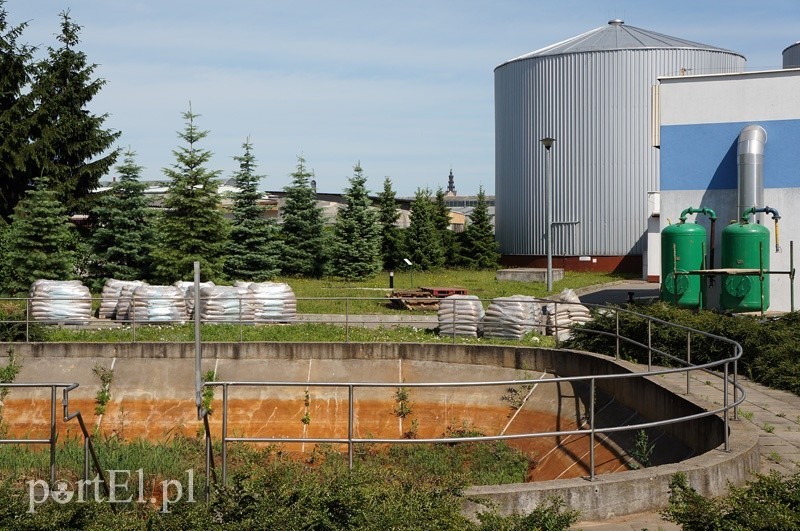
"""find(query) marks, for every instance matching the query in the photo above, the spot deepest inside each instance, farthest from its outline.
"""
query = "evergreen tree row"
(130, 240)
(53, 152)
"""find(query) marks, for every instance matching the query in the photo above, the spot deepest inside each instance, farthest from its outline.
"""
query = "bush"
(768, 502)
(769, 345)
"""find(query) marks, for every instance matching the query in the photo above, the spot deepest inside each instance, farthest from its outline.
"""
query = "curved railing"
(725, 370)
(732, 392)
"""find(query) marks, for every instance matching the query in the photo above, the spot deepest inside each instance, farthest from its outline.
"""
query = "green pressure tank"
(740, 250)
(682, 248)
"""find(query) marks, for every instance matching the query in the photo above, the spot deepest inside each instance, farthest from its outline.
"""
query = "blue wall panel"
(703, 156)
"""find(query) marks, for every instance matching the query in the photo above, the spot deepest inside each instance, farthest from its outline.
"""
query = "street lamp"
(547, 142)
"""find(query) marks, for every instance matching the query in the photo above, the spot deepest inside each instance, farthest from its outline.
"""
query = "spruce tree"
(68, 143)
(356, 249)
(391, 236)
(423, 240)
(15, 109)
(39, 241)
(123, 236)
(480, 246)
(303, 234)
(191, 226)
(441, 218)
(254, 249)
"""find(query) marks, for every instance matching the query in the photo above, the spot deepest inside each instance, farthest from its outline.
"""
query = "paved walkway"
(775, 413)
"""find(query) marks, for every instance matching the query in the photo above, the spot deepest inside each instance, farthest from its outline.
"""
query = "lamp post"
(410, 269)
(547, 142)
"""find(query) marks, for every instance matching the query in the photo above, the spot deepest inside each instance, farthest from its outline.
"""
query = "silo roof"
(617, 35)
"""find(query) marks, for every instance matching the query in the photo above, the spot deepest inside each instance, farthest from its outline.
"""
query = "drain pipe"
(775, 217)
(711, 216)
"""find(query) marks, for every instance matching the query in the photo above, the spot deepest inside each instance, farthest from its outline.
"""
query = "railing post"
(27, 320)
(688, 358)
(86, 468)
(649, 345)
(555, 322)
(52, 435)
(735, 390)
(725, 406)
(350, 421)
(454, 320)
(240, 318)
(616, 314)
(591, 428)
(133, 316)
(208, 463)
(224, 434)
(347, 320)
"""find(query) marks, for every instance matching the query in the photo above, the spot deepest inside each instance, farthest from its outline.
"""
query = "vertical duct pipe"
(750, 168)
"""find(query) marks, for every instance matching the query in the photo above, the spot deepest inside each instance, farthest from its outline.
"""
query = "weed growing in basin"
(769, 428)
(747, 415)
(642, 450)
(402, 407)
(208, 392)
(106, 376)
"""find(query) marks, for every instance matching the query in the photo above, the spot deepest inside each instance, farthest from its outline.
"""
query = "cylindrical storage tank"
(791, 56)
(683, 249)
(593, 94)
(741, 243)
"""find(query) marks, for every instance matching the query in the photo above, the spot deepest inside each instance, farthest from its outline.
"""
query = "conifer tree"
(15, 109)
(68, 143)
(423, 240)
(480, 246)
(254, 248)
(191, 226)
(305, 252)
(391, 235)
(356, 251)
(123, 236)
(39, 241)
(441, 218)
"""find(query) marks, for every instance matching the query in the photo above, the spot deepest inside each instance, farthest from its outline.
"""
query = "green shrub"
(770, 346)
(767, 502)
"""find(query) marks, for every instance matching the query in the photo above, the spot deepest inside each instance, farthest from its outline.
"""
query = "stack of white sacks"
(60, 301)
(273, 302)
(188, 292)
(460, 315)
(225, 304)
(260, 302)
(567, 313)
(157, 304)
(109, 297)
(512, 317)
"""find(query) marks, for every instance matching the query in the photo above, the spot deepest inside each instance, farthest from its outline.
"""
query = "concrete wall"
(609, 495)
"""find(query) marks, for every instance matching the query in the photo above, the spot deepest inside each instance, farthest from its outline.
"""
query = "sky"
(404, 88)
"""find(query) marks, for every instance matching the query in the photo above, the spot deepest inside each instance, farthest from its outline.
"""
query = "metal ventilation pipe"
(750, 169)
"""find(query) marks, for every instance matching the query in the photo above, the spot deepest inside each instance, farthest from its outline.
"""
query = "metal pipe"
(548, 222)
(750, 167)
(52, 435)
(198, 377)
(591, 428)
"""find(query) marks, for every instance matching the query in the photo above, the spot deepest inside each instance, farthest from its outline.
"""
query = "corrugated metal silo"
(791, 56)
(592, 93)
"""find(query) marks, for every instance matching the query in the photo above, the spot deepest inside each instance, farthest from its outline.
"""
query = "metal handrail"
(592, 430)
(88, 446)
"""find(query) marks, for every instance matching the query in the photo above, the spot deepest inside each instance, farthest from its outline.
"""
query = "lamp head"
(547, 142)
